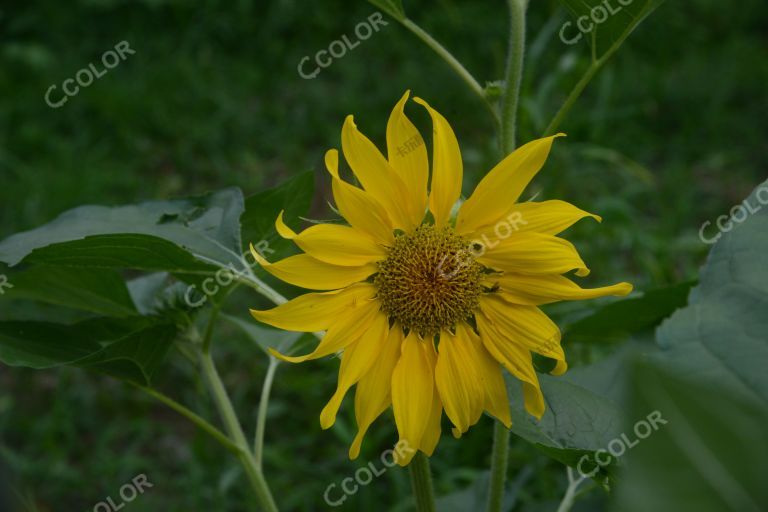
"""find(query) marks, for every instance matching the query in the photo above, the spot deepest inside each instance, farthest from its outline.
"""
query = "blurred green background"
(671, 134)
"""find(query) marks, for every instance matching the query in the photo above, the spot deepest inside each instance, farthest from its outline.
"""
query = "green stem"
(515, 57)
(235, 431)
(499, 459)
(421, 483)
(261, 420)
(452, 61)
(194, 418)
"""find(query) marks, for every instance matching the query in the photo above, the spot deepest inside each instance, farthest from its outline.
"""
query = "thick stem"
(235, 431)
(421, 483)
(261, 420)
(515, 57)
(498, 466)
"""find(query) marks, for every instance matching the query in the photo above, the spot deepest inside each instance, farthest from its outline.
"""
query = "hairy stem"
(421, 483)
(499, 458)
(514, 74)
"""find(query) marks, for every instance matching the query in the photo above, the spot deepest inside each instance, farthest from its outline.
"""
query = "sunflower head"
(429, 280)
(426, 309)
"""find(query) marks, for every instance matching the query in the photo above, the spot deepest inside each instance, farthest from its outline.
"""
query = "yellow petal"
(447, 167)
(307, 272)
(532, 290)
(432, 432)
(412, 393)
(458, 378)
(358, 207)
(345, 330)
(313, 312)
(533, 253)
(374, 391)
(547, 217)
(377, 176)
(495, 389)
(502, 186)
(356, 360)
(527, 326)
(333, 243)
(517, 360)
(407, 154)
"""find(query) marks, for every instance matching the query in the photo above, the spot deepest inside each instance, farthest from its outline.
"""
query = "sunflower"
(425, 307)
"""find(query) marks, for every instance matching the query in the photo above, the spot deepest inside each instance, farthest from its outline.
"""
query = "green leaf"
(258, 220)
(100, 291)
(618, 320)
(722, 336)
(126, 350)
(392, 7)
(713, 444)
(185, 235)
(620, 20)
(585, 408)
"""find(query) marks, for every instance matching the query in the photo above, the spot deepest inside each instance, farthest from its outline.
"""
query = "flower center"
(429, 280)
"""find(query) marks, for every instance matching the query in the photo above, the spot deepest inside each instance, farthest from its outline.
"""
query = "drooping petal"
(533, 253)
(344, 330)
(517, 360)
(407, 154)
(377, 176)
(502, 186)
(356, 360)
(527, 326)
(307, 272)
(412, 394)
(313, 312)
(534, 290)
(458, 378)
(334, 244)
(447, 167)
(374, 391)
(546, 217)
(433, 431)
(496, 401)
(358, 207)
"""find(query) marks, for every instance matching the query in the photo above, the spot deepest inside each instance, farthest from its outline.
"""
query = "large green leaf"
(710, 454)
(722, 336)
(586, 409)
(100, 291)
(127, 350)
(181, 236)
(619, 20)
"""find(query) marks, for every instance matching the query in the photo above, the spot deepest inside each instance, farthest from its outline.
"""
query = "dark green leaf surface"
(174, 235)
(258, 220)
(100, 291)
(126, 350)
(618, 320)
(620, 20)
